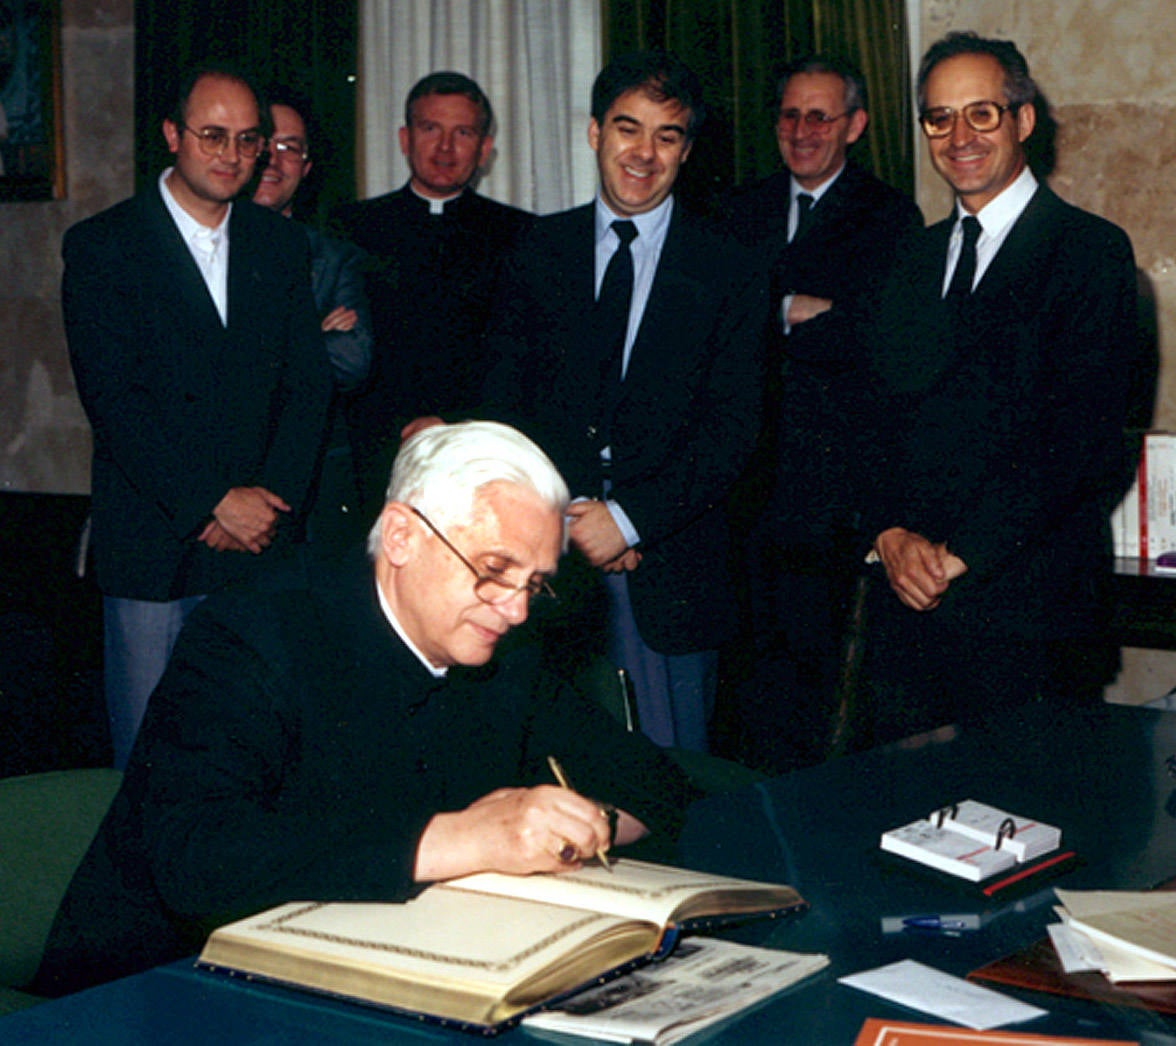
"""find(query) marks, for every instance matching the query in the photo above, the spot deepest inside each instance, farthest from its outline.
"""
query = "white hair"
(442, 469)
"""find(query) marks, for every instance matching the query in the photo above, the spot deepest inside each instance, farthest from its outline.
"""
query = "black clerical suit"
(1002, 436)
(800, 500)
(296, 749)
(429, 284)
(183, 407)
(686, 417)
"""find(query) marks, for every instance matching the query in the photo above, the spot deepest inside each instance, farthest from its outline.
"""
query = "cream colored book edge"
(433, 956)
(642, 890)
(474, 958)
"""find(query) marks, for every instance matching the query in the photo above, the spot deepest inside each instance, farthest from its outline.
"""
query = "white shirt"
(209, 247)
(996, 220)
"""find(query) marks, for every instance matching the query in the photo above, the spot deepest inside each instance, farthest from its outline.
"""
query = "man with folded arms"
(348, 737)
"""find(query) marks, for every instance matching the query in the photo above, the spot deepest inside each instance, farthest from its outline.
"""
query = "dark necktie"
(612, 316)
(965, 270)
(804, 215)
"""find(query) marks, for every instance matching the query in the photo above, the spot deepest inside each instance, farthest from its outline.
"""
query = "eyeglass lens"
(980, 116)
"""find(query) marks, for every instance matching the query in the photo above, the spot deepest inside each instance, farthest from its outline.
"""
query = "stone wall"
(44, 438)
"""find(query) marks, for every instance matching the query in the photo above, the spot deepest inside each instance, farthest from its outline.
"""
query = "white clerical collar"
(820, 190)
(651, 226)
(436, 206)
(433, 670)
(189, 227)
(999, 213)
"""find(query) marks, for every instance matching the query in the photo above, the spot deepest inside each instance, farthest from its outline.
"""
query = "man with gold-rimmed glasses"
(348, 736)
(1003, 354)
(197, 356)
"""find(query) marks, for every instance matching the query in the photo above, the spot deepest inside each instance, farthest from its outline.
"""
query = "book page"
(636, 889)
(438, 954)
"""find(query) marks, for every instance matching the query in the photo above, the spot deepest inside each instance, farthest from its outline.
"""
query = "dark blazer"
(183, 408)
(688, 413)
(1004, 424)
(337, 278)
(843, 254)
(430, 283)
(296, 748)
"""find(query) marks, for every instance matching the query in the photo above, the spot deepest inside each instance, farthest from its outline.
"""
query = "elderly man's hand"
(513, 830)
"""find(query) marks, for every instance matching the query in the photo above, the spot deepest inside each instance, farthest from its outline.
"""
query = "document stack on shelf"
(482, 951)
(1143, 525)
(977, 842)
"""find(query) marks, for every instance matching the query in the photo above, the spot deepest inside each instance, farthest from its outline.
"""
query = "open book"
(482, 951)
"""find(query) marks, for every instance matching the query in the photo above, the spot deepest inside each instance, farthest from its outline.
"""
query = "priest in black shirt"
(351, 737)
(435, 246)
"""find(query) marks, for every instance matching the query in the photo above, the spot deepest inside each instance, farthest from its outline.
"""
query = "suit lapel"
(1015, 263)
(169, 260)
(673, 308)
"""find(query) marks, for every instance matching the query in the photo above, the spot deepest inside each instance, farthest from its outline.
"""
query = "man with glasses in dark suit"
(198, 359)
(1002, 352)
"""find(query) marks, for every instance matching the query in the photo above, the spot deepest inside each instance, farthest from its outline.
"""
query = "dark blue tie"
(965, 270)
(804, 215)
(612, 320)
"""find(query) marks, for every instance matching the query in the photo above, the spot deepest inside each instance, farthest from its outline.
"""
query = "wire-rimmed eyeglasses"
(488, 587)
(214, 141)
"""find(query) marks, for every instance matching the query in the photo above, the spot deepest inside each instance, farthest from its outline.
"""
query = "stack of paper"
(1130, 936)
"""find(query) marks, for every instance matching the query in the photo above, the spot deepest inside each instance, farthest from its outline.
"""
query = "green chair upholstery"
(609, 687)
(47, 822)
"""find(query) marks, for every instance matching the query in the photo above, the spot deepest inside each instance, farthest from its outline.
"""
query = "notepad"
(972, 840)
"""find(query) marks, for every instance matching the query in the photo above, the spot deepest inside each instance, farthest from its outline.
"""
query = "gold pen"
(562, 778)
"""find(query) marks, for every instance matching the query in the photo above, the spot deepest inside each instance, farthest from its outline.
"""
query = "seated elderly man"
(349, 737)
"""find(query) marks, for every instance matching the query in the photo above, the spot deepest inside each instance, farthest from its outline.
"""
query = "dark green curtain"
(308, 45)
(738, 48)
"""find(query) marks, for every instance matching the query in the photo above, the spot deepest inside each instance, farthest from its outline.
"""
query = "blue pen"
(935, 922)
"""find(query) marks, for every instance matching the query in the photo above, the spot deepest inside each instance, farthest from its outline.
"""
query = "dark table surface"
(1100, 775)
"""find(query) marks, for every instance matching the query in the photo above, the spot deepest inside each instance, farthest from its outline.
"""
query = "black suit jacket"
(430, 281)
(1003, 428)
(847, 250)
(296, 748)
(182, 407)
(687, 416)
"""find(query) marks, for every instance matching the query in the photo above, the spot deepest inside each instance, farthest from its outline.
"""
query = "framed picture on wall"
(31, 166)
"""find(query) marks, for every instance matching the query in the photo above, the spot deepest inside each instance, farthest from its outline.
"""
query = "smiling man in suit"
(828, 230)
(337, 280)
(628, 342)
(198, 359)
(1003, 350)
